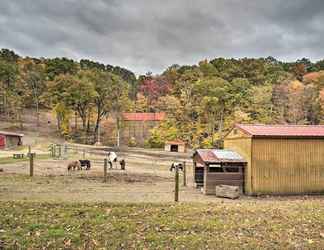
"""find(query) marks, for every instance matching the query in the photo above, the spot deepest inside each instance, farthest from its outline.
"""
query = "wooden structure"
(175, 146)
(214, 167)
(281, 159)
(10, 139)
(138, 126)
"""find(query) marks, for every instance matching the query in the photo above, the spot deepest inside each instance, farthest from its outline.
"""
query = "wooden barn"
(138, 126)
(10, 139)
(281, 159)
(218, 167)
(175, 146)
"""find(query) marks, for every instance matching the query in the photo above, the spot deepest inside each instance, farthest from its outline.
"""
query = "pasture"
(135, 209)
(147, 179)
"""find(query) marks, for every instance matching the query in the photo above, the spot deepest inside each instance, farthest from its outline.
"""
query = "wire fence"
(142, 169)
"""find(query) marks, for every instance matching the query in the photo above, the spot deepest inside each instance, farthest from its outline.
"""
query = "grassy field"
(270, 225)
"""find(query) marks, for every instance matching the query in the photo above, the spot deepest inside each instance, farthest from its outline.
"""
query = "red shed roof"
(219, 155)
(282, 130)
(175, 142)
(144, 116)
(11, 134)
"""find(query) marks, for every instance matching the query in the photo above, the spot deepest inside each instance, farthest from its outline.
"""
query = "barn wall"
(182, 148)
(167, 147)
(287, 166)
(140, 130)
(242, 144)
(11, 141)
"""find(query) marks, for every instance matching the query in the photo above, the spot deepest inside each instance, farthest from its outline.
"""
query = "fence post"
(31, 165)
(54, 151)
(60, 151)
(29, 150)
(83, 155)
(176, 188)
(51, 150)
(184, 174)
(105, 169)
(65, 153)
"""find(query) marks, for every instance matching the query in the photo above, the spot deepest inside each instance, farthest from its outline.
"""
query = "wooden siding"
(12, 141)
(287, 166)
(140, 130)
(211, 180)
(241, 143)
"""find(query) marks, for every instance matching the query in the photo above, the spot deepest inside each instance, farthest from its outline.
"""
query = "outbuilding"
(10, 139)
(281, 159)
(175, 146)
(214, 167)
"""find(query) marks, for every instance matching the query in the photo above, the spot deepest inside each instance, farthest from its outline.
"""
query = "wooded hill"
(202, 101)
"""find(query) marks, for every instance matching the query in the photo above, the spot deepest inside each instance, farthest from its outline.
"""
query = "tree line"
(202, 101)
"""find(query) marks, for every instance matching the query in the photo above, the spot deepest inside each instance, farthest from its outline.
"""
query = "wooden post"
(60, 151)
(31, 165)
(176, 188)
(29, 150)
(184, 174)
(65, 152)
(105, 169)
(51, 150)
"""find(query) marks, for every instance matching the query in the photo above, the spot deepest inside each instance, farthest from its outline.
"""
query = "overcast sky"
(150, 35)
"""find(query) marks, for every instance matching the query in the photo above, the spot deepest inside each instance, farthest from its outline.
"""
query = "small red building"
(138, 126)
(175, 146)
(10, 139)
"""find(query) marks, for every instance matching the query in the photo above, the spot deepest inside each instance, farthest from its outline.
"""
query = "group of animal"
(78, 165)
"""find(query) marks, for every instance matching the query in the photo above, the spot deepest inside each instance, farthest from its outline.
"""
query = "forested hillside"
(202, 101)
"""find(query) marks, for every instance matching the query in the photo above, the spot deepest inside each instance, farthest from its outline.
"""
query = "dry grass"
(272, 225)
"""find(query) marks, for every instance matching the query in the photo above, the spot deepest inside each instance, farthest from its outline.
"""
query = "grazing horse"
(122, 163)
(175, 165)
(74, 165)
(85, 163)
(112, 157)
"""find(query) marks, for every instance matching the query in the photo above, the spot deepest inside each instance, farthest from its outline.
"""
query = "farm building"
(175, 146)
(281, 159)
(10, 139)
(138, 126)
(214, 167)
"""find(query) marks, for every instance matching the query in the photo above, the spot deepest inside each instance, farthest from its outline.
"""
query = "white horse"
(112, 157)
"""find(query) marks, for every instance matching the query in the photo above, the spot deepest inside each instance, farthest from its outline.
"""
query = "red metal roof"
(144, 116)
(175, 142)
(282, 130)
(11, 133)
(219, 155)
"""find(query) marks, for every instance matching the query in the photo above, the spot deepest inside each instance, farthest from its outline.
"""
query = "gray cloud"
(151, 35)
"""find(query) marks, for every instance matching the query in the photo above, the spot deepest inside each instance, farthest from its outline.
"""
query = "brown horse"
(74, 165)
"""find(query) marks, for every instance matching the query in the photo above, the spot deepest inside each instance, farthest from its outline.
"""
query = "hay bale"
(227, 191)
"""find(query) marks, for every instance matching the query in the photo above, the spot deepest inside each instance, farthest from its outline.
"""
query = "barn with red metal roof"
(281, 159)
(137, 126)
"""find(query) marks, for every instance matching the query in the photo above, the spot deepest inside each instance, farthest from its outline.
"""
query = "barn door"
(2, 141)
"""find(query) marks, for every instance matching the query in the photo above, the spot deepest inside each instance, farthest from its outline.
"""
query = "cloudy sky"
(150, 35)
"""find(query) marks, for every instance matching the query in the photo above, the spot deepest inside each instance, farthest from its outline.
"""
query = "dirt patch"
(127, 177)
